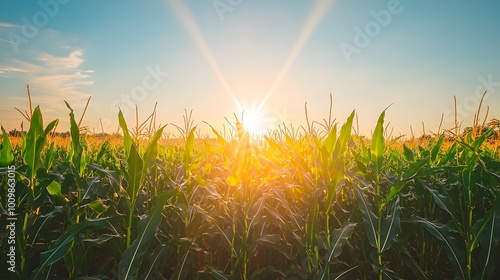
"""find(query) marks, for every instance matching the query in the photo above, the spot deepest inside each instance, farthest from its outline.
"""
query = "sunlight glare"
(253, 121)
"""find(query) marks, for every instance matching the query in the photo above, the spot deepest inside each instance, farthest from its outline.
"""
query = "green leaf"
(155, 262)
(31, 151)
(390, 227)
(378, 145)
(51, 126)
(456, 255)
(49, 156)
(76, 146)
(54, 190)
(6, 154)
(255, 212)
(338, 238)
(152, 149)
(409, 174)
(407, 153)
(103, 238)
(46, 219)
(407, 258)
(487, 233)
(146, 228)
(479, 140)
(344, 274)
(449, 155)
(135, 171)
(393, 192)
(105, 149)
(472, 155)
(331, 140)
(345, 133)
(436, 147)
(442, 201)
(337, 176)
(220, 139)
(265, 238)
(97, 206)
(311, 222)
(112, 176)
(127, 140)
(414, 168)
(370, 220)
(61, 246)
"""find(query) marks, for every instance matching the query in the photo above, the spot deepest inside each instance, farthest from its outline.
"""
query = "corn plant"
(29, 189)
(317, 202)
(475, 220)
(381, 215)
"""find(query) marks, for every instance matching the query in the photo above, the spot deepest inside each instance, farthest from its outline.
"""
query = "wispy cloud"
(6, 27)
(3, 40)
(5, 70)
(57, 78)
(6, 24)
(73, 60)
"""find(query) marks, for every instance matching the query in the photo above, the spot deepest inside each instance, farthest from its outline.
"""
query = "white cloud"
(57, 78)
(5, 70)
(50, 64)
(6, 24)
(73, 60)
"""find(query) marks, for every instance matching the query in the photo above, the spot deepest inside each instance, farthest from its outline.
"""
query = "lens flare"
(253, 121)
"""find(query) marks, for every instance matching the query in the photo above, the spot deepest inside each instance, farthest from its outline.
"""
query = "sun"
(253, 121)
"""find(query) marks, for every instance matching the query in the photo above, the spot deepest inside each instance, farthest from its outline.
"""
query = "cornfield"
(322, 204)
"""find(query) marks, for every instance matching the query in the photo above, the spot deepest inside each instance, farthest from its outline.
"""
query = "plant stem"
(327, 224)
(25, 226)
(469, 224)
(379, 253)
(129, 227)
(379, 226)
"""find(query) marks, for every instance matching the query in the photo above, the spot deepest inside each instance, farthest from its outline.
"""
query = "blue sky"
(219, 57)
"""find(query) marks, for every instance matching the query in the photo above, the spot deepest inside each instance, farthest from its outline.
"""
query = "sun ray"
(317, 13)
(190, 24)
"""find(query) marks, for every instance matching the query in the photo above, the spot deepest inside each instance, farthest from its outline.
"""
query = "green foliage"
(146, 229)
(377, 147)
(323, 205)
(6, 152)
(61, 246)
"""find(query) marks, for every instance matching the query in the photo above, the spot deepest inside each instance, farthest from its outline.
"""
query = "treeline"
(67, 134)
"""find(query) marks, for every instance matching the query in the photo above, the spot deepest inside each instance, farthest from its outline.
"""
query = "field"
(325, 203)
